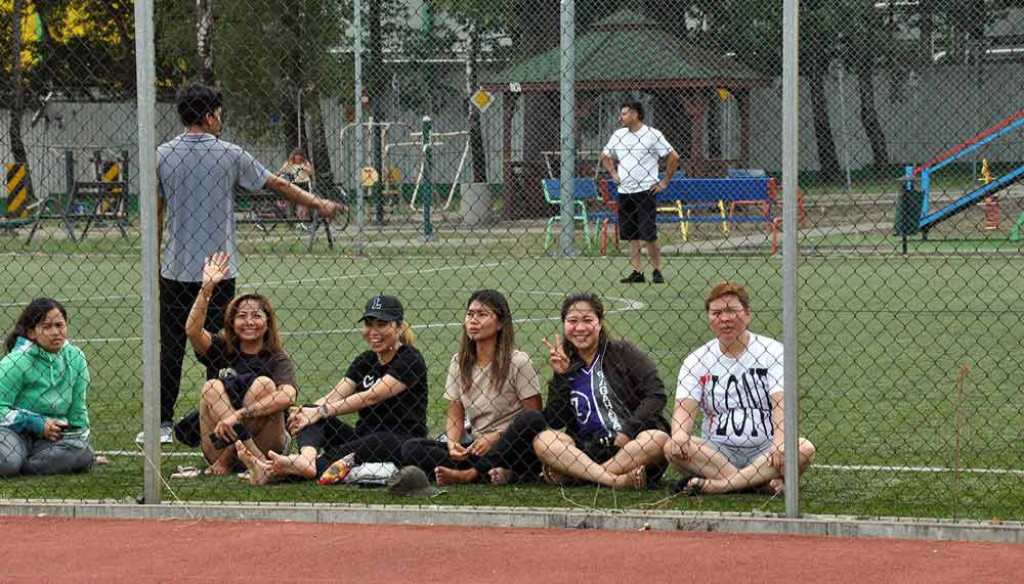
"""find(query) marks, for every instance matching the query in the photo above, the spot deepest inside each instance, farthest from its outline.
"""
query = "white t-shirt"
(638, 154)
(734, 393)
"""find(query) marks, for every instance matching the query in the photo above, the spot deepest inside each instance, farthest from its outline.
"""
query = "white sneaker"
(166, 434)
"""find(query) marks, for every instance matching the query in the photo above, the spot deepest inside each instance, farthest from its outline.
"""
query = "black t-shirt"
(405, 413)
(279, 367)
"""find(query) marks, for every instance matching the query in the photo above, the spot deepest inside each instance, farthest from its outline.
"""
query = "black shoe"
(657, 278)
(634, 278)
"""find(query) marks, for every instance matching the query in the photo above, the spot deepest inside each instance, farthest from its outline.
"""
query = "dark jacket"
(631, 375)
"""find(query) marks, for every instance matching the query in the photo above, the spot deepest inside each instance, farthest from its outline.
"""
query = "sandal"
(694, 488)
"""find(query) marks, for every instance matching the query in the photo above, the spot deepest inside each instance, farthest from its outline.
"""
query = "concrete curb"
(558, 518)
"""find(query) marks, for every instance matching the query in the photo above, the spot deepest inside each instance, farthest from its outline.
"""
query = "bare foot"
(635, 479)
(448, 476)
(260, 471)
(295, 464)
(500, 476)
(554, 478)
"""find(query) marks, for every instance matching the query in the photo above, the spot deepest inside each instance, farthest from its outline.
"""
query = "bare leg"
(214, 406)
(449, 476)
(634, 254)
(268, 431)
(697, 457)
(558, 451)
(654, 254)
(302, 464)
(647, 448)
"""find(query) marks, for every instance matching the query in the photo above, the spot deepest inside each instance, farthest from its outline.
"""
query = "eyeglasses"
(479, 315)
(725, 312)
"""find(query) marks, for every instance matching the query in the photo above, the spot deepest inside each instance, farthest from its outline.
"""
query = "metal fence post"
(567, 23)
(146, 81)
(428, 229)
(790, 180)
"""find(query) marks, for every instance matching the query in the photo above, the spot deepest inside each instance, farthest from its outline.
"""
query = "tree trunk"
(827, 160)
(926, 26)
(17, 108)
(204, 41)
(476, 137)
(540, 20)
(869, 115)
(318, 149)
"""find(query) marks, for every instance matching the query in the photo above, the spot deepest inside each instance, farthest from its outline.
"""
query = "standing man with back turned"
(197, 176)
(637, 148)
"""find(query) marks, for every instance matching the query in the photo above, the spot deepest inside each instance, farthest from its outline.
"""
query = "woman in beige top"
(298, 171)
(493, 385)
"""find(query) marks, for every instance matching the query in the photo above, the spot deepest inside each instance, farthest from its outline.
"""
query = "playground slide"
(923, 172)
(971, 198)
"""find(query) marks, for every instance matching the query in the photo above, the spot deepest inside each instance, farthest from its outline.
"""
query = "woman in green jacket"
(44, 424)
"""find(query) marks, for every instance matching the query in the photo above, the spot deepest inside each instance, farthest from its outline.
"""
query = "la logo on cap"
(378, 303)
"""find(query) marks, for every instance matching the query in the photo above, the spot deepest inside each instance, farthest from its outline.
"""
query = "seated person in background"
(494, 383)
(735, 380)
(298, 171)
(256, 380)
(44, 379)
(387, 385)
(604, 405)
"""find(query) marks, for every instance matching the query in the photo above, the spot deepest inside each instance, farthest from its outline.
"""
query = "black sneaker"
(634, 278)
(657, 278)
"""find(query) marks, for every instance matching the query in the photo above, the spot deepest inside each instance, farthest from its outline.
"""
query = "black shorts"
(236, 385)
(637, 213)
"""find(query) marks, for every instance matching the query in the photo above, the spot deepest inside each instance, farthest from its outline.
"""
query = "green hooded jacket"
(36, 384)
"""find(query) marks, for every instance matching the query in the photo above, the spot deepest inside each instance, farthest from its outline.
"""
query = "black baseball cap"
(382, 307)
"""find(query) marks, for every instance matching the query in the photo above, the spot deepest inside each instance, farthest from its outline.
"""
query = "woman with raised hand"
(604, 405)
(44, 379)
(494, 383)
(242, 410)
(386, 385)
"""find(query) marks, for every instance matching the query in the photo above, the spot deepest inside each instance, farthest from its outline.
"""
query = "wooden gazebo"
(628, 52)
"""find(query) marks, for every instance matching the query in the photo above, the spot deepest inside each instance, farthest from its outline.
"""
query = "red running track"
(99, 550)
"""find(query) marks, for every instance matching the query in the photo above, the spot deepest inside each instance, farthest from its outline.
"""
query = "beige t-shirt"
(491, 411)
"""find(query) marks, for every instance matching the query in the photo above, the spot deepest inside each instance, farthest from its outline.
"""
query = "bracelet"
(323, 410)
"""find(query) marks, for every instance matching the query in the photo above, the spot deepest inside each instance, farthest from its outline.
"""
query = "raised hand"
(215, 268)
(558, 359)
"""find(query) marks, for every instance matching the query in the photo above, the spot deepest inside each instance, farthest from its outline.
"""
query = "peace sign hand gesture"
(215, 269)
(558, 359)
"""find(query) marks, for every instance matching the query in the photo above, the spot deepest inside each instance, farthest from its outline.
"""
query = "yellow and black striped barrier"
(111, 173)
(17, 190)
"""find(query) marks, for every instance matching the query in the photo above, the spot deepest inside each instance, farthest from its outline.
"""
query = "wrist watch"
(323, 410)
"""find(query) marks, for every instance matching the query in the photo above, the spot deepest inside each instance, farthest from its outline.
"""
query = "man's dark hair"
(635, 106)
(195, 100)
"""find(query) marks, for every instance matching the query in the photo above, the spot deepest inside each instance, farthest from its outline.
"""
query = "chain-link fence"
(486, 239)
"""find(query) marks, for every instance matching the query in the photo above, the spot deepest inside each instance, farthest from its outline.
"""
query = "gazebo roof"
(629, 50)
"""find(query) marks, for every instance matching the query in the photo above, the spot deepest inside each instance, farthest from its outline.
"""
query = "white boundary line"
(921, 469)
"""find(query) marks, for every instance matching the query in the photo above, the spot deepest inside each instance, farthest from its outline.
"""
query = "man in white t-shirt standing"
(735, 381)
(637, 148)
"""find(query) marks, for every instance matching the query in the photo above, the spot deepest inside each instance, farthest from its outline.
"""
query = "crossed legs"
(715, 474)
(625, 470)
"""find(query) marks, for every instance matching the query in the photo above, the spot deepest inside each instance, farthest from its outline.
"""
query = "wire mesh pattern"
(523, 253)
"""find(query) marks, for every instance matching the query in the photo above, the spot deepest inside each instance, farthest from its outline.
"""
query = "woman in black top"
(387, 385)
(242, 410)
